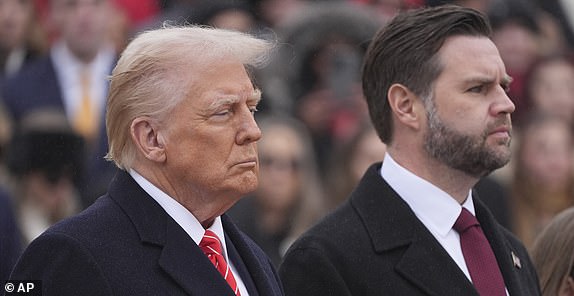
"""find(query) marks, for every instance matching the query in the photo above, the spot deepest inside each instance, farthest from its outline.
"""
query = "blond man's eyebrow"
(225, 100)
(255, 96)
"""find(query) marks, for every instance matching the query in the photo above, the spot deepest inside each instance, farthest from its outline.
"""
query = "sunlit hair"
(157, 70)
(553, 252)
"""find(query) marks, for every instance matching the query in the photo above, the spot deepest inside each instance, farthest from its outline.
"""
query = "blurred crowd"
(56, 55)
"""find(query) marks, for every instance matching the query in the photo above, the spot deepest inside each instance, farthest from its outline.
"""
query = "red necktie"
(211, 246)
(478, 256)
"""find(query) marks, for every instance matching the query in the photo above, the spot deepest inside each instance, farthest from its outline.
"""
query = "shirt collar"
(434, 207)
(64, 59)
(61, 55)
(179, 213)
(14, 61)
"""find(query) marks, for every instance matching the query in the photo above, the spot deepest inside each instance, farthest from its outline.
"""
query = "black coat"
(36, 87)
(375, 245)
(126, 244)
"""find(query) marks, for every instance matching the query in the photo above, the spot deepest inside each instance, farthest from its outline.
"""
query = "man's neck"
(452, 181)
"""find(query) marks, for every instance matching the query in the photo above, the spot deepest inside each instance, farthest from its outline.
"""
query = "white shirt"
(436, 209)
(188, 222)
(68, 70)
(14, 61)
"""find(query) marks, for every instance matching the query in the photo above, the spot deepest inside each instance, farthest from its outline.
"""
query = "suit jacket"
(36, 87)
(126, 244)
(375, 245)
(10, 241)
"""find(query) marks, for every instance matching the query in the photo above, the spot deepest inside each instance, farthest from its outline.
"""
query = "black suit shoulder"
(35, 86)
(69, 254)
(126, 244)
(316, 264)
(375, 245)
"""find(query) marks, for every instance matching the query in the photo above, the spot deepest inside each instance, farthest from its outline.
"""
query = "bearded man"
(436, 90)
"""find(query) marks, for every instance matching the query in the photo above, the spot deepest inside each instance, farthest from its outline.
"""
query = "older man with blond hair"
(181, 129)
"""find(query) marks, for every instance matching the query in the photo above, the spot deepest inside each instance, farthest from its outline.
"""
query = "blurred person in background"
(481, 5)
(563, 13)
(522, 33)
(289, 198)
(550, 89)
(224, 14)
(124, 17)
(273, 13)
(316, 75)
(174, 12)
(236, 15)
(349, 162)
(74, 79)
(553, 255)
(20, 38)
(138, 11)
(386, 9)
(6, 131)
(508, 15)
(10, 237)
(10, 241)
(543, 175)
(46, 159)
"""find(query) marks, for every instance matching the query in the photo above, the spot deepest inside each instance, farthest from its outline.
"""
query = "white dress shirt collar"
(14, 61)
(180, 214)
(188, 222)
(68, 67)
(434, 207)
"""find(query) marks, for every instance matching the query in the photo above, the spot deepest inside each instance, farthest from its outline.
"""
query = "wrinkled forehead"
(211, 67)
(219, 84)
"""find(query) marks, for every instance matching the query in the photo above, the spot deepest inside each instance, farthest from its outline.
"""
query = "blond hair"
(156, 70)
(553, 252)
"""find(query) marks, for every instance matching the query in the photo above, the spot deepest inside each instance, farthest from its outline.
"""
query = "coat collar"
(180, 257)
(392, 226)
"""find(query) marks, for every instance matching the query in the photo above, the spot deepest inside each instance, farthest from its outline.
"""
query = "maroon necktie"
(478, 256)
(211, 246)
